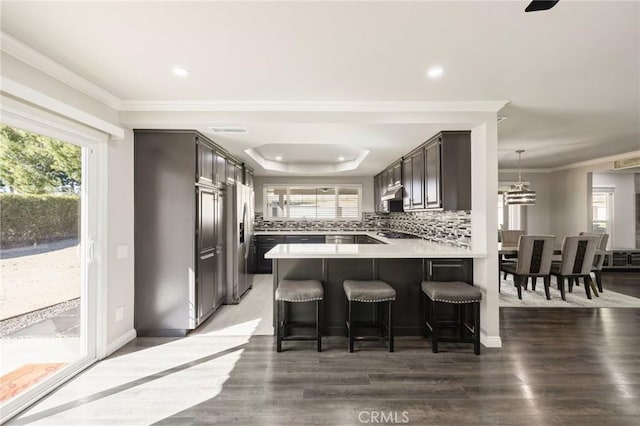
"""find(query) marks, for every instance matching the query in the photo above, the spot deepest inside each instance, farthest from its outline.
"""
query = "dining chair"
(578, 253)
(534, 260)
(509, 237)
(598, 261)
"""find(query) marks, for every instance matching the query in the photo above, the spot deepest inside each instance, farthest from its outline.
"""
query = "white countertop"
(393, 249)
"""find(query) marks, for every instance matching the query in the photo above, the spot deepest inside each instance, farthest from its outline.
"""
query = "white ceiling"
(572, 74)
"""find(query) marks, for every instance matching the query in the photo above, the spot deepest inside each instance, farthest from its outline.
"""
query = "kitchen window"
(312, 202)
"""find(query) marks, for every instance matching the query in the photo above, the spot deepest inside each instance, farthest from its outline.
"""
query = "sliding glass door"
(48, 212)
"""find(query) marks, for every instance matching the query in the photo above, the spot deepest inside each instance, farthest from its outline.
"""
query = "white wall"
(366, 182)
(624, 209)
(538, 215)
(121, 225)
(22, 73)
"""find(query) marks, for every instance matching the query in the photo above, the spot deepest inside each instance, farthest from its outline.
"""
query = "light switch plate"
(119, 313)
(123, 252)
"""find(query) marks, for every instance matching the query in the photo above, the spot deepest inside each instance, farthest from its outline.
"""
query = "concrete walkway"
(32, 279)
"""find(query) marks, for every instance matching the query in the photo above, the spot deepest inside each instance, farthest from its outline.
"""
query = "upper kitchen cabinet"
(234, 172)
(220, 168)
(248, 176)
(396, 173)
(413, 183)
(436, 175)
(432, 171)
(206, 162)
(455, 170)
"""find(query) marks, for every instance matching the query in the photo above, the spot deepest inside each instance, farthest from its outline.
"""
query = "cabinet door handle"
(207, 256)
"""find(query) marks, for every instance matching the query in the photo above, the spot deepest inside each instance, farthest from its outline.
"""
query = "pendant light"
(519, 194)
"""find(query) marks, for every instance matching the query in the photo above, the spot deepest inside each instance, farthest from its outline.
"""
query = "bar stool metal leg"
(434, 327)
(346, 317)
(319, 306)
(350, 327)
(279, 326)
(476, 328)
(390, 325)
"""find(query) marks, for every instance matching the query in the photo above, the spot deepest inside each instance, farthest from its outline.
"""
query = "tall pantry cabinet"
(180, 231)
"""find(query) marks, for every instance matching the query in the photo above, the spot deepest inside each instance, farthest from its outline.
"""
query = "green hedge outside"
(33, 219)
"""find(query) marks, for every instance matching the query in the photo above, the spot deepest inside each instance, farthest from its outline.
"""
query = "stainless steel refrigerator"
(239, 233)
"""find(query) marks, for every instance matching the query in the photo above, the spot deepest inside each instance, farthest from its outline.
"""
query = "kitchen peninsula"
(403, 264)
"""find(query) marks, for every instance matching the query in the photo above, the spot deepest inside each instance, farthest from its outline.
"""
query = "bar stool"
(368, 292)
(456, 293)
(298, 291)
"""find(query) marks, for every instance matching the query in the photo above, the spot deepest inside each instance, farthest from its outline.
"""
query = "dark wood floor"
(558, 366)
(622, 282)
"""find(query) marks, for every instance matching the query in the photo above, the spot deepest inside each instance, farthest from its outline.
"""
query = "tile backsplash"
(452, 228)
(370, 222)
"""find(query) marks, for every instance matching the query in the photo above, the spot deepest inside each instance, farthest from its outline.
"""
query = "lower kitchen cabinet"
(450, 270)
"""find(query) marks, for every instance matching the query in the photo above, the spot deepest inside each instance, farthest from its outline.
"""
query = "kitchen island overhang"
(402, 264)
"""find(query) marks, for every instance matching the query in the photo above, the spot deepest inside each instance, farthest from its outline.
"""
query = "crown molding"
(596, 161)
(303, 106)
(586, 163)
(32, 57)
(524, 170)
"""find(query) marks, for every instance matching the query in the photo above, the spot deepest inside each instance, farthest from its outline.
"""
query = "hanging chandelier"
(519, 194)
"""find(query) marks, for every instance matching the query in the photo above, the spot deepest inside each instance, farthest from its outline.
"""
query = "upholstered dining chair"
(578, 253)
(509, 237)
(598, 260)
(534, 260)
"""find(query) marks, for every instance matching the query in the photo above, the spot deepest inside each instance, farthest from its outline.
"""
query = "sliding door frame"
(93, 239)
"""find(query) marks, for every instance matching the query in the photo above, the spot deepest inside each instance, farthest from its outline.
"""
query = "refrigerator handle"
(245, 223)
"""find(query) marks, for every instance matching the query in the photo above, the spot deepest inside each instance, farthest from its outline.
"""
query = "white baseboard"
(490, 341)
(120, 342)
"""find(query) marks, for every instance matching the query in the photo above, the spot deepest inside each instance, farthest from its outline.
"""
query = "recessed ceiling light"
(278, 158)
(340, 158)
(180, 71)
(435, 72)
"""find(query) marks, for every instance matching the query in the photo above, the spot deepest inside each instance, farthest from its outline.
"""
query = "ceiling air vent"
(229, 130)
(629, 163)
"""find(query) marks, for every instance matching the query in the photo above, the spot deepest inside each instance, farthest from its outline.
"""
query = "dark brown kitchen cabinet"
(446, 270)
(180, 230)
(220, 169)
(432, 175)
(379, 187)
(437, 175)
(407, 179)
(234, 172)
(221, 249)
(206, 162)
(416, 197)
(396, 173)
(455, 172)
(248, 176)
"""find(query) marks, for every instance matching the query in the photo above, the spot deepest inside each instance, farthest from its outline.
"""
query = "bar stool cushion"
(368, 291)
(451, 292)
(299, 291)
